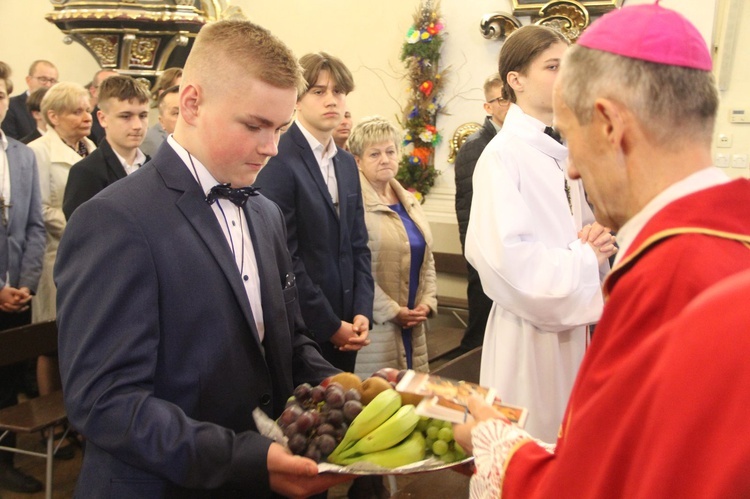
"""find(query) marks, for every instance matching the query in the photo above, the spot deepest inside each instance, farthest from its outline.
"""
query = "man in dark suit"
(22, 242)
(177, 308)
(18, 121)
(496, 107)
(97, 131)
(317, 187)
(123, 112)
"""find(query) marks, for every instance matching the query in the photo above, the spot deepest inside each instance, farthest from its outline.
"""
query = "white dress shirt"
(324, 157)
(140, 158)
(4, 171)
(236, 231)
(5, 180)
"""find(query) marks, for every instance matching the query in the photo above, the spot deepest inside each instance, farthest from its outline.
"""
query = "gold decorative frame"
(570, 17)
(498, 25)
(595, 7)
(459, 138)
(567, 16)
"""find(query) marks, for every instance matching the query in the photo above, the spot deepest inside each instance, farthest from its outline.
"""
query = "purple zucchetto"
(649, 33)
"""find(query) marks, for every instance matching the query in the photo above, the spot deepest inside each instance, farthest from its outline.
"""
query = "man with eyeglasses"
(19, 122)
(496, 108)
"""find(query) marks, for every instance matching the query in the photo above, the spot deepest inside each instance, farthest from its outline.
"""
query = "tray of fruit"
(362, 428)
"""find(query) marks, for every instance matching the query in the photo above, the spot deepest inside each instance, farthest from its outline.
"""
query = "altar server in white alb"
(533, 240)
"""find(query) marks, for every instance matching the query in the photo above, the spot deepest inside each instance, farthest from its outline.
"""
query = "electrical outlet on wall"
(722, 160)
(724, 140)
(739, 160)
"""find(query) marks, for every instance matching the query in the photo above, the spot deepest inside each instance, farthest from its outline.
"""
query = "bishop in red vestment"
(660, 412)
(659, 406)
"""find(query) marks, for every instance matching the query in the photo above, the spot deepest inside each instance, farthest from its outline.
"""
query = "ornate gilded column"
(136, 37)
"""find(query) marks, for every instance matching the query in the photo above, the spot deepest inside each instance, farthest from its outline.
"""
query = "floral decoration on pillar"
(421, 56)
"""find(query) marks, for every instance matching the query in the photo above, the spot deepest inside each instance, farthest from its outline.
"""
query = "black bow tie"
(237, 196)
(553, 133)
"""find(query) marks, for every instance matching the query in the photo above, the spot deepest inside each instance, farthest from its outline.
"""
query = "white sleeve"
(554, 288)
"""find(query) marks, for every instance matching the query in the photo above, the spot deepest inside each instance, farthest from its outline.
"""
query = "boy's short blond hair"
(226, 50)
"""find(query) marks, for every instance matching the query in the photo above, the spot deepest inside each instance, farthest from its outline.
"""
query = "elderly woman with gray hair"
(401, 244)
(67, 111)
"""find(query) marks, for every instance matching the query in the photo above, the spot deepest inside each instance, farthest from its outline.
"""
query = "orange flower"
(423, 153)
(426, 87)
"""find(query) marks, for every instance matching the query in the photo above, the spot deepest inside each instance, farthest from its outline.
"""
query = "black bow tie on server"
(236, 196)
(553, 133)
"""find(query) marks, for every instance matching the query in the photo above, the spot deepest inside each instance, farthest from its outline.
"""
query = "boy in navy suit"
(316, 185)
(177, 309)
(123, 113)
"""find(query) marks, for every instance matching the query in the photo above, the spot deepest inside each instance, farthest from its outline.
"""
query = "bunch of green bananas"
(384, 433)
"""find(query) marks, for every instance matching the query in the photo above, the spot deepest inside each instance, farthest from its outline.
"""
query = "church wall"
(26, 36)
(733, 70)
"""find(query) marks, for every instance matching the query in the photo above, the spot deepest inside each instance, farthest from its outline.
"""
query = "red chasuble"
(667, 413)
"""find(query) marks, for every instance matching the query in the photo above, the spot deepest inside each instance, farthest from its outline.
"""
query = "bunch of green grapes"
(439, 441)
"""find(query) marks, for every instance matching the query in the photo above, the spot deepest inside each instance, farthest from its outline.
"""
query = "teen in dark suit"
(22, 242)
(90, 176)
(19, 122)
(317, 187)
(182, 316)
(124, 115)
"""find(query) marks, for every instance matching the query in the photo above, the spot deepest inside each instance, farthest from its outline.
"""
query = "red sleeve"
(526, 471)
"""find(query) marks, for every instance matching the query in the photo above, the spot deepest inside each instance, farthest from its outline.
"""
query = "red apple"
(326, 381)
(388, 374)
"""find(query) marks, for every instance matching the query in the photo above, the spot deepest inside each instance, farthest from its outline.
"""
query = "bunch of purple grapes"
(316, 418)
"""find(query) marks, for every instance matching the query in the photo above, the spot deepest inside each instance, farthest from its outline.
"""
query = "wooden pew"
(38, 414)
(454, 264)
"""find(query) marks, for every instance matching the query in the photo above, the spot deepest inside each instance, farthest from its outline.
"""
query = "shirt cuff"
(494, 442)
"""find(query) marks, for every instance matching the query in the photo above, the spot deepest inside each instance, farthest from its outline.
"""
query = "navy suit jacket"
(466, 161)
(90, 176)
(18, 122)
(159, 354)
(23, 240)
(329, 250)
